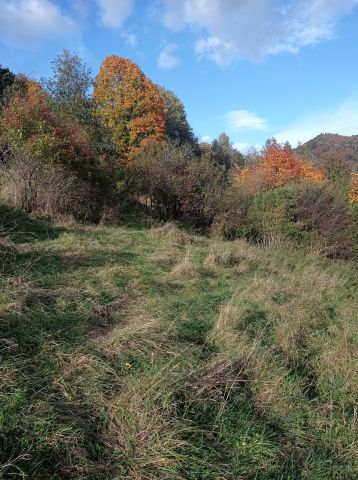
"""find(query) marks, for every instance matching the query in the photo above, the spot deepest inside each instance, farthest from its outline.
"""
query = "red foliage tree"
(29, 123)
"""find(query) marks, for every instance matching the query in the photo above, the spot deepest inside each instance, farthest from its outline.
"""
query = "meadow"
(145, 350)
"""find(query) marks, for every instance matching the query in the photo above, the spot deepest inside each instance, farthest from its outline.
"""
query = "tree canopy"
(177, 127)
(130, 105)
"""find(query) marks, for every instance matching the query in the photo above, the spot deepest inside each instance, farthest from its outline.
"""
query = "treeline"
(90, 148)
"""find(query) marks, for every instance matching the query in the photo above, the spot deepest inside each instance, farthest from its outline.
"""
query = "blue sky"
(252, 68)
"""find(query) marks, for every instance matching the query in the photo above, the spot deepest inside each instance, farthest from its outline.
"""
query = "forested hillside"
(330, 146)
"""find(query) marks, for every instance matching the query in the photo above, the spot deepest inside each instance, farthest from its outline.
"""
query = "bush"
(319, 210)
(30, 123)
(304, 212)
(203, 188)
(46, 190)
(271, 215)
(155, 178)
(172, 181)
(230, 222)
(353, 230)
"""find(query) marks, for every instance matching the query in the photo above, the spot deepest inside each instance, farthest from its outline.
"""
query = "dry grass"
(184, 268)
(151, 353)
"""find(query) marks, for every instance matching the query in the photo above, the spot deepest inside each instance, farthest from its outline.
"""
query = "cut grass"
(139, 352)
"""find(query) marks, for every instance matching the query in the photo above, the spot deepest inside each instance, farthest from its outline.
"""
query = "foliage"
(277, 166)
(173, 181)
(271, 215)
(7, 78)
(202, 191)
(130, 105)
(69, 87)
(30, 124)
(177, 127)
(231, 219)
(223, 153)
(46, 190)
(328, 147)
(157, 176)
(320, 210)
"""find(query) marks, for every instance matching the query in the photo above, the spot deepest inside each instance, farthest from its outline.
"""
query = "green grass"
(134, 351)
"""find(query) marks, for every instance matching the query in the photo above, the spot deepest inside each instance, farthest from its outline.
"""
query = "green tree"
(7, 78)
(223, 153)
(177, 127)
(69, 86)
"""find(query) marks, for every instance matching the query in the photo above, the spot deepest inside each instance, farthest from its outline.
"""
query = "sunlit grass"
(146, 352)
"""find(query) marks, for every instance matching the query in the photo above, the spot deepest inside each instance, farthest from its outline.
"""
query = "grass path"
(130, 352)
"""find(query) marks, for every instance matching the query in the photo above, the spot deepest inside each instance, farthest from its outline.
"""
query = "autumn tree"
(30, 124)
(177, 127)
(276, 166)
(130, 105)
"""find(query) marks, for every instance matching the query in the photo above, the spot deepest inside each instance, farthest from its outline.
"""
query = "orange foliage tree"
(130, 105)
(276, 166)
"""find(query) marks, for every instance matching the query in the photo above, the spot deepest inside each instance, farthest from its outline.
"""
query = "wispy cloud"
(237, 120)
(167, 58)
(252, 29)
(342, 120)
(24, 23)
(114, 12)
(130, 38)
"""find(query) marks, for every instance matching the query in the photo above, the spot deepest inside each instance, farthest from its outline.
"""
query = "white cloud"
(205, 139)
(115, 12)
(343, 120)
(167, 58)
(219, 51)
(244, 120)
(23, 23)
(252, 29)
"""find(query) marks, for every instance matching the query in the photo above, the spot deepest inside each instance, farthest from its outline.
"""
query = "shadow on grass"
(20, 227)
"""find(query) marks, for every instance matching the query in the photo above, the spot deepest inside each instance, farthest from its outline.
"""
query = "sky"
(254, 69)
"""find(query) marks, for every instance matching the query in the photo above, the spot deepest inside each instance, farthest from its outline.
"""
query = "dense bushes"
(173, 182)
(305, 213)
(47, 190)
(69, 153)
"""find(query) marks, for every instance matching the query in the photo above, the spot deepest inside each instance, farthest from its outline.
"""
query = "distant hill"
(331, 146)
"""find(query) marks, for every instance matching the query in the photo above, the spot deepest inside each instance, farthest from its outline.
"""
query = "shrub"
(319, 210)
(204, 184)
(47, 190)
(353, 230)
(230, 222)
(30, 124)
(272, 215)
(172, 181)
(156, 177)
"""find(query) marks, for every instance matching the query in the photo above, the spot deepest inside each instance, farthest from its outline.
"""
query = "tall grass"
(138, 352)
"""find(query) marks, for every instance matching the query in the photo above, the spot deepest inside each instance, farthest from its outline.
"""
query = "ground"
(145, 351)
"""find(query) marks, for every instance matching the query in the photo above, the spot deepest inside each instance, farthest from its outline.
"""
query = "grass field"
(137, 351)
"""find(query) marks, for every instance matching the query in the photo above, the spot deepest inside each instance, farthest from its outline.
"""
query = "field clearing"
(139, 351)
